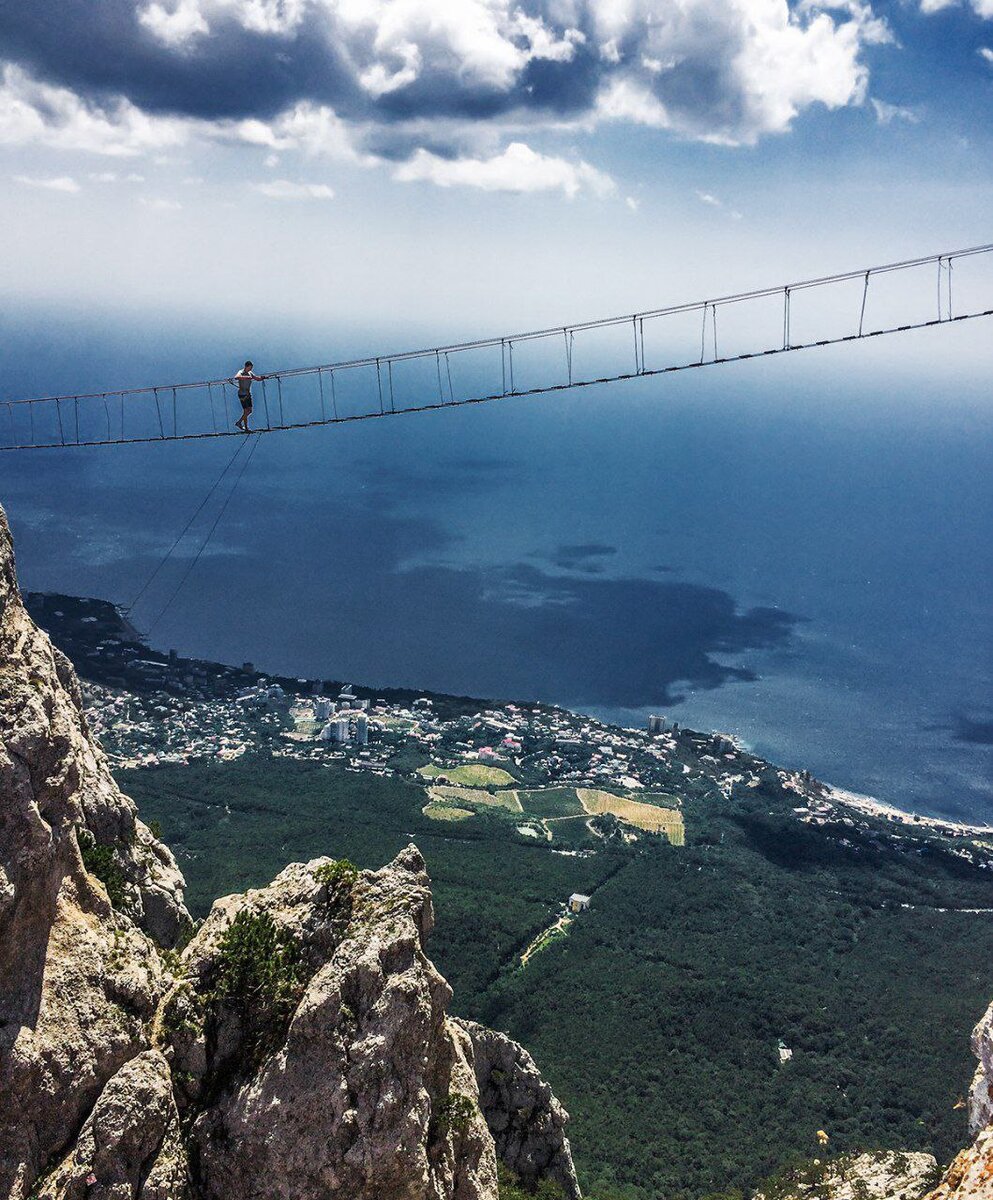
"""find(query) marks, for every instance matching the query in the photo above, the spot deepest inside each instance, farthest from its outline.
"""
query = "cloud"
(40, 113)
(61, 183)
(285, 189)
(311, 129)
(160, 204)
(728, 71)
(886, 113)
(713, 201)
(175, 27)
(731, 71)
(982, 8)
(517, 169)
(114, 177)
(585, 557)
(986, 53)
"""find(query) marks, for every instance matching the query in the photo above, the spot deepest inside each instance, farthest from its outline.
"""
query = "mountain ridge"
(150, 1075)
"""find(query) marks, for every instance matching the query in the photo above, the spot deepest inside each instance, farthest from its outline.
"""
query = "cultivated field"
(645, 816)
(475, 798)
(551, 802)
(469, 774)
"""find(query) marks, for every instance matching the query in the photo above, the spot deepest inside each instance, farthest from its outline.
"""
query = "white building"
(578, 902)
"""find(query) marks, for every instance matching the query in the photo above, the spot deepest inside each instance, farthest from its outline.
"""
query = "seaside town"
(152, 709)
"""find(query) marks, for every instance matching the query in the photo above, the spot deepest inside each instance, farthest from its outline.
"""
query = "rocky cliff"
(84, 889)
(299, 1046)
(527, 1122)
(970, 1176)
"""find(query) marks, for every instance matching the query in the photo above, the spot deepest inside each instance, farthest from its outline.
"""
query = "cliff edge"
(300, 1044)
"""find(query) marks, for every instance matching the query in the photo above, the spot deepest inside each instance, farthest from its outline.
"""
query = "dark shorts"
(246, 401)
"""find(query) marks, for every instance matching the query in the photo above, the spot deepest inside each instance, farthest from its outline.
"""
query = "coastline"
(870, 806)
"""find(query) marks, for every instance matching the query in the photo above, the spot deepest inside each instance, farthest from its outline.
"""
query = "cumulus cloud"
(35, 112)
(286, 189)
(176, 26)
(440, 88)
(986, 53)
(517, 169)
(314, 129)
(730, 71)
(60, 183)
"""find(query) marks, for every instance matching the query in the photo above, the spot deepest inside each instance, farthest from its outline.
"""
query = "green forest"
(659, 1017)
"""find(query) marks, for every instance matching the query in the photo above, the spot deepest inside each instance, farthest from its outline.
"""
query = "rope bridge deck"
(935, 290)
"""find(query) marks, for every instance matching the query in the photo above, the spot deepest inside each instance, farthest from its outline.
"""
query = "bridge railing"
(934, 290)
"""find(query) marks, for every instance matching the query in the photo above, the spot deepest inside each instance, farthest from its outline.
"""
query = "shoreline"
(870, 806)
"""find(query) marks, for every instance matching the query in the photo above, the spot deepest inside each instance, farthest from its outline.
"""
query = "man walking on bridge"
(244, 380)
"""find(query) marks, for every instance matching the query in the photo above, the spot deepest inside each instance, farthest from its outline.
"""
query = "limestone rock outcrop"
(300, 1044)
(527, 1121)
(970, 1175)
(79, 977)
(882, 1175)
(319, 1053)
(981, 1092)
(130, 1145)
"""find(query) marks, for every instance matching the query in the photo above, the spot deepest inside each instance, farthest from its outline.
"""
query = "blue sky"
(441, 167)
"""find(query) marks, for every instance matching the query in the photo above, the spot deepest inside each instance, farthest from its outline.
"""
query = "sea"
(798, 552)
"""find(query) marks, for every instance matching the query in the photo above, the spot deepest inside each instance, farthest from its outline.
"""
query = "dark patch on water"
(972, 731)
(525, 632)
(584, 557)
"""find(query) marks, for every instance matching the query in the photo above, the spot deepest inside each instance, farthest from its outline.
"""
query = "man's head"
(249, 364)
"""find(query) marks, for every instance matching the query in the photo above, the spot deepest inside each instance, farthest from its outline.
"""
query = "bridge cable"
(206, 541)
(199, 509)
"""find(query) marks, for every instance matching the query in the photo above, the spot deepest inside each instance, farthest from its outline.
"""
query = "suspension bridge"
(934, 290)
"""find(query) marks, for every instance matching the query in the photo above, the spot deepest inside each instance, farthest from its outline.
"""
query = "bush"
(454, 1112)
(339, 873)
(511, 1188)
(100, 861)
(260, 970)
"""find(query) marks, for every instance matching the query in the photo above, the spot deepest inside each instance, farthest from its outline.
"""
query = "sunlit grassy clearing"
(446, 812)
(470, 774)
